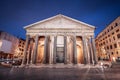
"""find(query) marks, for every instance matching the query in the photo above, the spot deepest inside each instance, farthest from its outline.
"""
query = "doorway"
(60, 49)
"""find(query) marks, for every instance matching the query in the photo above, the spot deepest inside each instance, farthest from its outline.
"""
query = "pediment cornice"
(59, 22)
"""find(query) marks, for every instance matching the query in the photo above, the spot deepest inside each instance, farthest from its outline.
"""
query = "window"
(111, 27)
(112, 53)
(107, 47)
(117, 30)
(99, 44)
(118, 35)
(116, 24)
(108, 30)
(106, 37)
(117, 52)
(103, 38)
(115, 45)
(112, 33)
(106, 41)
(113, 37)
(20, 49)
(110, 46)
(105, 32)
(110, 40)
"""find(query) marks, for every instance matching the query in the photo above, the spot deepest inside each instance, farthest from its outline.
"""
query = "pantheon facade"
(59, 39)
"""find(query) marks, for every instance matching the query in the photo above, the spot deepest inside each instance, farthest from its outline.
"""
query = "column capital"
(55, 35)
(37, 35)
(65, 35)
(72, 35)
(89, 37)
(46, 36)
(84, 36)
(27, 35)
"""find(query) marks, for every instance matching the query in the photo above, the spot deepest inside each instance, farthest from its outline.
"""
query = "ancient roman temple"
(59, 39)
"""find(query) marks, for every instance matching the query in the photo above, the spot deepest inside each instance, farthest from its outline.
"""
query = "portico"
(59, 39)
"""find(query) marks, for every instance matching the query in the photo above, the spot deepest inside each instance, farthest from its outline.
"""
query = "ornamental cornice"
(60, 31)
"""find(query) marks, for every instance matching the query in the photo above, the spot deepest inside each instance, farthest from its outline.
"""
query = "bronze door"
(60, 55)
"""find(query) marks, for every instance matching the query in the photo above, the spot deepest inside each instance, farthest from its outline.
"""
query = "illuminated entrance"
(60, 49)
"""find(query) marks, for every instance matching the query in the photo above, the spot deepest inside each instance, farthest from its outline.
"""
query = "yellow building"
(108, 41)
(20, 49)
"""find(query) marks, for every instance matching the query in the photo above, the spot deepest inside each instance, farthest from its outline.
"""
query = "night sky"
(15, 14)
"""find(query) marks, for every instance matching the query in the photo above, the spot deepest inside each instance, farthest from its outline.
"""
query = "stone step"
(59, 66)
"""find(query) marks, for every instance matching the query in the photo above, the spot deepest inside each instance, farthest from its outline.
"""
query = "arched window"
(111, 27)
(115, 45)
(117, 30)
(118, 35)
(112, 53)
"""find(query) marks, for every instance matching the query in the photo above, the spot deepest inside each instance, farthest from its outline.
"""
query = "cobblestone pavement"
(60, 73)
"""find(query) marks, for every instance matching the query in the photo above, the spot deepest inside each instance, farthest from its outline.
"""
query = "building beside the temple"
(11, 46)
(8, 45)
(59, 39)
(108, 41)
(19, 49)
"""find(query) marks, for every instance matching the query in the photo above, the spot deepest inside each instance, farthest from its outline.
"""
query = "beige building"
(8, 45)
(108, 41)
(11, 46)
(59, 39)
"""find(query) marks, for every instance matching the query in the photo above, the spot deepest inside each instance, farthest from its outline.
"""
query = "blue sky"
(15, 14)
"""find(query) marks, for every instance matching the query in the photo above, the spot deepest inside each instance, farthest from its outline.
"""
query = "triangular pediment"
(59, 21)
